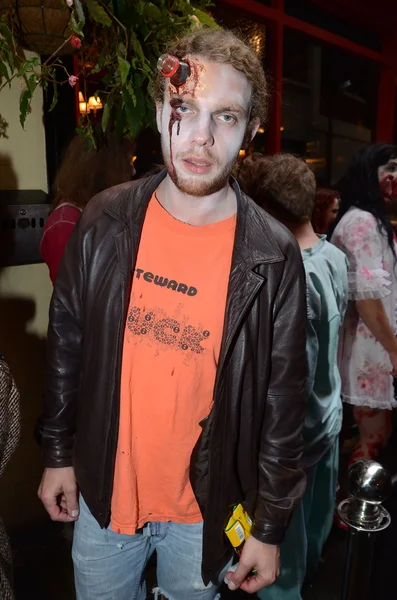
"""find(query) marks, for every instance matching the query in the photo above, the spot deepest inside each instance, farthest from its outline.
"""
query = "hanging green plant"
(117, 44)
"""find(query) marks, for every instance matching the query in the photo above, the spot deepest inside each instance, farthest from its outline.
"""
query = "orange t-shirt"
(171, 347)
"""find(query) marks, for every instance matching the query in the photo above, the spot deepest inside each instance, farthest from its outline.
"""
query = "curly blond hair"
(224, 47)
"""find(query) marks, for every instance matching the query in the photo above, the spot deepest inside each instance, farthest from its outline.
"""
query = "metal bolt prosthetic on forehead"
(177, 71)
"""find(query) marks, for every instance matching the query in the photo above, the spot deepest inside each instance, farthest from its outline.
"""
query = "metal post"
(369, 485)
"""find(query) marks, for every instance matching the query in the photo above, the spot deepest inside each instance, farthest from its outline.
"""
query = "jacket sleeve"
(56, 427)
(281, 481)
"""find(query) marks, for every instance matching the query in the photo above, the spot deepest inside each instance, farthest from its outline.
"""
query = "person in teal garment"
(285, 187)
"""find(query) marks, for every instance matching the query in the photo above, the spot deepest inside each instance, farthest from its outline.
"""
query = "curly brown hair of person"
(84, 172)
(250, 173)
(324, 198)
(282, 184)
(223, 47)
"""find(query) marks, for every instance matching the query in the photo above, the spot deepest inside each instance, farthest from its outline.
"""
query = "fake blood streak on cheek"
(175, 117)
(388, 186)
(181, 88)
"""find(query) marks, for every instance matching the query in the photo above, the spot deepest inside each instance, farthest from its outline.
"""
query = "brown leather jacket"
(251, 441)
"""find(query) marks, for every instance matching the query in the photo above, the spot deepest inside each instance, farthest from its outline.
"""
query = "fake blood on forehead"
(192, 83)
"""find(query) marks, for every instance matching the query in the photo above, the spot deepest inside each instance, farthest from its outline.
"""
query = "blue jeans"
(307, 533)
(111, 566)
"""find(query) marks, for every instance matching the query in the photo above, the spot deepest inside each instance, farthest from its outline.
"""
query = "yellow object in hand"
(238, 527)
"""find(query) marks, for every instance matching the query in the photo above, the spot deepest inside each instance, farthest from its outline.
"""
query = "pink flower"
(73, 80)
(368, 274)
(69, 3)
(76, 42)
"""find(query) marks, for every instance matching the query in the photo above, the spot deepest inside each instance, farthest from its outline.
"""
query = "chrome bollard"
(369, 485)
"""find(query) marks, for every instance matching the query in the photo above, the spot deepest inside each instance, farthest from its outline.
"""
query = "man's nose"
(202, 133)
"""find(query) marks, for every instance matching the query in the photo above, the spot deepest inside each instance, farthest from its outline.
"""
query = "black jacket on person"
(251, 441)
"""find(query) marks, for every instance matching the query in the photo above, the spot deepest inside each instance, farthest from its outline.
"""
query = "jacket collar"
(254, 240)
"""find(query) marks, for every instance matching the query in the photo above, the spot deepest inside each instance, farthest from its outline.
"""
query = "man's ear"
(159, 114)
(251, 132)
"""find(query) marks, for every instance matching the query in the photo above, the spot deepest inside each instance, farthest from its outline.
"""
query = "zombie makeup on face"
(388, 186)
(388, 180)
(178, 72)
(211, 111)
(193, 82)
(189, 87)
(389, 169)
(184, 79)
(175, 117)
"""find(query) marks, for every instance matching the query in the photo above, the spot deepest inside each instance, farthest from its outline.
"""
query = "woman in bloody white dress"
(368, 343)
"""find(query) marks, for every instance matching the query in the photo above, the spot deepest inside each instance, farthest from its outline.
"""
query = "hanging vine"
(117, 43)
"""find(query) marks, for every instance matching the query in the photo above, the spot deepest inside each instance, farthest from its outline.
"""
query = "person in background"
(176, 354)
(84, 172)
(285, 186)
(368, 356)
(325, 211)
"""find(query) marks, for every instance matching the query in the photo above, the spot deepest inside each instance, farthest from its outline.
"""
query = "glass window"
(253, 31)
(329, 104)
(306, 10)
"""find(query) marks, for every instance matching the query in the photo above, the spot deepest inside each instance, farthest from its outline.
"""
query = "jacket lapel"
(254, 245)
(130, 210)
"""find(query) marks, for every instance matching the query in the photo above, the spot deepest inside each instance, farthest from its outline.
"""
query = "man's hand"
(264, 558)
(58, 492)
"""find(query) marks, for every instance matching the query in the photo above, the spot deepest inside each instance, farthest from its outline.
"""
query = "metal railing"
(369, 486)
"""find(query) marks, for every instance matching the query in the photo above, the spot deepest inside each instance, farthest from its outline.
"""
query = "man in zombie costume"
(176, 353)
